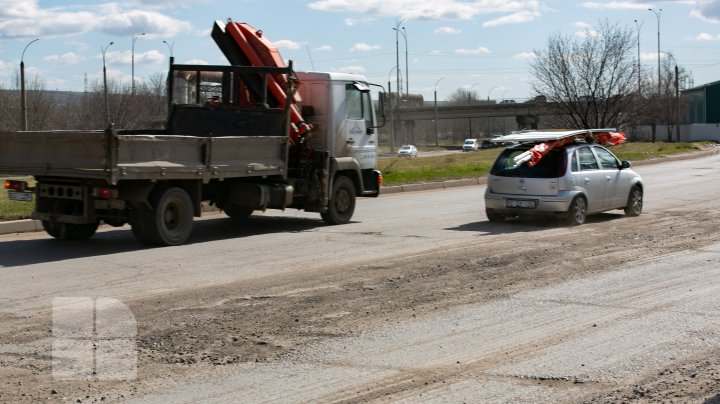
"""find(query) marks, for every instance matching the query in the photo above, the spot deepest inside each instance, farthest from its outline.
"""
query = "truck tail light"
(16, 185)
(105, 193)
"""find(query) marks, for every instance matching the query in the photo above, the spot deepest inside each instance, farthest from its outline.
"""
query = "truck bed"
(155, 155)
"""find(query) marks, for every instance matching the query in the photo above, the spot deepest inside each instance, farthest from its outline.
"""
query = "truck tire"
(341, 205)
(577, 212)
(634, 202)
(170, 222)
(69, 231)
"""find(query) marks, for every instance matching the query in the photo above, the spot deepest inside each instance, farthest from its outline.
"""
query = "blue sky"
(484, 45)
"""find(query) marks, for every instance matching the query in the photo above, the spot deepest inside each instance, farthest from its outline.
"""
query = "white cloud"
(151, 57)
(196, 62)
(708, 10)
(615, 5)
(154, 24)
(427, 10)
(479, 51)
(436, 52)
(517, 18)
(323, 48)
(24, 19)
(585, 30)
(649, 56)
(364, 47)
(447, 31)
(704, 37)
(525, 56)
(69, 58)
(287, 44)
(350, 69)
(351, 22)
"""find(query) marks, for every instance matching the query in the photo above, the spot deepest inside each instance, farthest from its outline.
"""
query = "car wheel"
(578, 211)
(635, 202)
(494, 216)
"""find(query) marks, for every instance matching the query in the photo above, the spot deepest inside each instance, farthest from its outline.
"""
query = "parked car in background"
(471, 145)
(407, 150)
(569, 183)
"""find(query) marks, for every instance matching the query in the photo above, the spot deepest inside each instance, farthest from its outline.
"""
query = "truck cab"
(339, 108)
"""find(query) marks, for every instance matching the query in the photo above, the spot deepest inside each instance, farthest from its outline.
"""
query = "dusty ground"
(184, 333)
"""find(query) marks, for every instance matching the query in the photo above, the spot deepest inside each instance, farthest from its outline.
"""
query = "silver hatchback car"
(569, 182)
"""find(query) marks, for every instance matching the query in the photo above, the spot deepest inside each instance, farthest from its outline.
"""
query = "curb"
(29, 225)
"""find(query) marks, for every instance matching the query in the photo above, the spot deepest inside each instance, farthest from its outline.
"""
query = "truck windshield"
(550, 166)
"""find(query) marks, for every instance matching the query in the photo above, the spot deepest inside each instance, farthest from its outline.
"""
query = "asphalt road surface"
(419, 299)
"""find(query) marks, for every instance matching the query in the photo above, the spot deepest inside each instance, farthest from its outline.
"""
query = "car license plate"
(20, 196)
(520, 203)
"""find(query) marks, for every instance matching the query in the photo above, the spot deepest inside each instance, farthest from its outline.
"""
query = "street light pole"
(488, 96)
(170, 48)
(407, 72)
(392, 116)
(657, 14)
(23, 100)
(397, 55)
(105, 85)
(437, 141)
(132, 62)
(638, 26)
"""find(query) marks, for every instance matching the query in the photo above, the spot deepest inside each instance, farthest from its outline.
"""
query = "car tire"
(634, 202)
(494, 216)
(577, 213)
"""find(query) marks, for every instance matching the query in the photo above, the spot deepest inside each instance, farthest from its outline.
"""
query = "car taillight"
(16, 185)
(105, 193)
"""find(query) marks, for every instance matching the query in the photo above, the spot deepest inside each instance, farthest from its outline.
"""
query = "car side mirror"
(625, 164)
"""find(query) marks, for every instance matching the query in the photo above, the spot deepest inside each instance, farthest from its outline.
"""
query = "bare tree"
(591, 80)
(463, 96)
(663, 108)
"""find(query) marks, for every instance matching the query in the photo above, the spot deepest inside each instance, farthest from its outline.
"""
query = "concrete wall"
(688, 133)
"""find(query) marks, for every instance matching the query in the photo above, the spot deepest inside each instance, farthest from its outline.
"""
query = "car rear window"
(551, 165)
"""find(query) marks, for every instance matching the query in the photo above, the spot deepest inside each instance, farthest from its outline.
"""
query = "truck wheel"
(237, 212)
(577, 212)
(635, 202)
(70, 231)
(342, 202)
(171, 220)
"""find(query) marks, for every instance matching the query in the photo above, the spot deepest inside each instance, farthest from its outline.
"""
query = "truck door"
(360, 136)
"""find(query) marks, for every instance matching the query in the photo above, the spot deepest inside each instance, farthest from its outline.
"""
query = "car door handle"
(350, 141)
(587, 180)
(609, 178)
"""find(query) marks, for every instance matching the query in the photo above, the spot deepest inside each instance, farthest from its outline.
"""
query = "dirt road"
(421, 299)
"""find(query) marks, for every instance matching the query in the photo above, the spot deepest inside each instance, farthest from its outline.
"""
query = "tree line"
(596, 81)
(56, 110)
